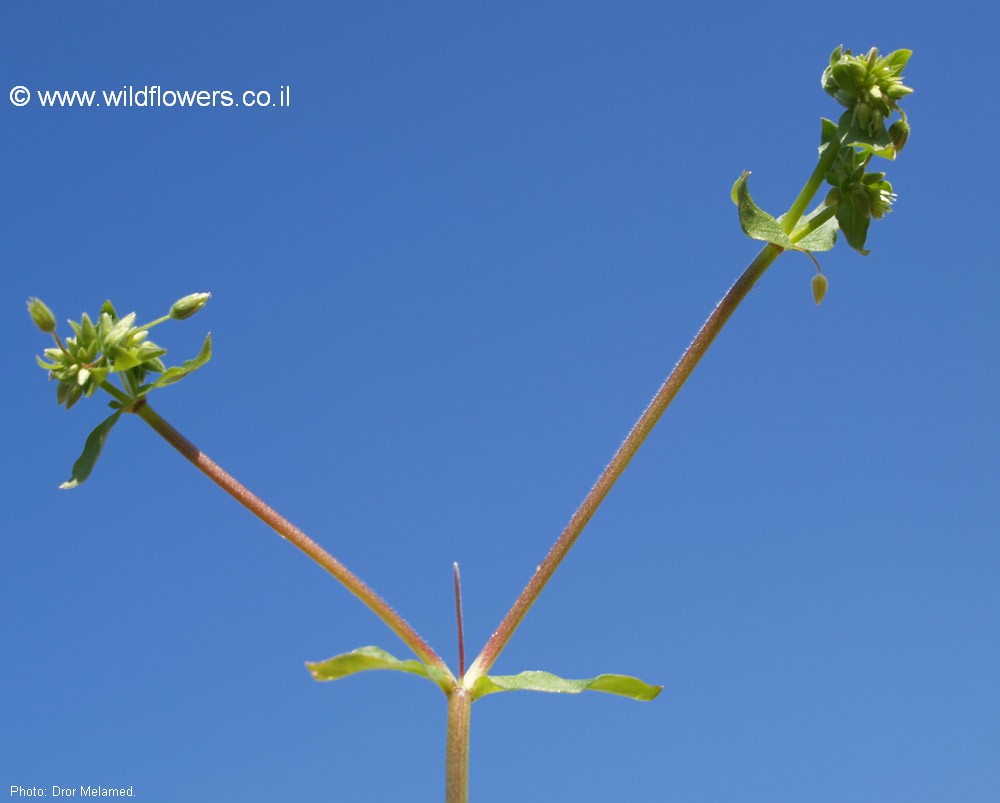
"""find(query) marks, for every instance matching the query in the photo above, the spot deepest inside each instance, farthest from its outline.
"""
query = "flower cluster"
(870, 87)
(111, 345)
(858, 196)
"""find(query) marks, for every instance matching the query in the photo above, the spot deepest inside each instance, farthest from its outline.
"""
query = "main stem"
(291, 533)
(711, 328)
(457, 747)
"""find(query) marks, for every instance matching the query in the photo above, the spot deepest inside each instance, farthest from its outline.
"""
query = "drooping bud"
(189, 305)
(41, 315)
(819, 285)
(899, 132)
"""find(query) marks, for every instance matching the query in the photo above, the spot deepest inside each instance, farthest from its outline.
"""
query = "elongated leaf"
(544, 681)
(854, 223)
(91, 451)
(177, 373)
(754, 221)
(365, 659)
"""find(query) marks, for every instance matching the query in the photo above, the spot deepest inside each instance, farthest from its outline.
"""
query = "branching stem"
(498, 641)
(288, 531)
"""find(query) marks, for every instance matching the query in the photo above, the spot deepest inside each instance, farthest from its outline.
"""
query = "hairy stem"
(291, 533)
(457, 749)
(620, 461)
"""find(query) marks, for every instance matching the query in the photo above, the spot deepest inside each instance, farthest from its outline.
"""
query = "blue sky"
(446, 280)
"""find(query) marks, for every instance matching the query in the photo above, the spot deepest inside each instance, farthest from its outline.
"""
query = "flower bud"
(73, 395)
(863, 116)
(899, 132)
(819, 285)
(107, 308)
(897, 91)
(189, 305)
(41, 315)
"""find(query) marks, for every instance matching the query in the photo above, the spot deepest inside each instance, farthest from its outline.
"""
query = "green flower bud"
(107, 308)
(897, 91)
(41, 315)
(849, 75)
(863, 116)
(73, 395)
(899, 132)
(819, 285)
(189, 305)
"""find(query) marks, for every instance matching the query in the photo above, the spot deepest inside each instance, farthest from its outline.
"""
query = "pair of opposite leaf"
(869, 87)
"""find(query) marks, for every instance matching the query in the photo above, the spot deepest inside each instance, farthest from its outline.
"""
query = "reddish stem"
(291, 533)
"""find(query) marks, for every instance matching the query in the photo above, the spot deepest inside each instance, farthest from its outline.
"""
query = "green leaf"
(853, 222)
(855, 137)
(828, 131)
(544, 681)
(823, 238)
(366, 659)
(177, 373)
(754, 221)
(91, 451)
(124, 359)
(896, 60)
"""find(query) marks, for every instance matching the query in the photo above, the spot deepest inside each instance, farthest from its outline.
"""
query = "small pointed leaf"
(754, 221)
(91, 451)
(544, 681)
(828, 130)
(177, 373)
(365, 659)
